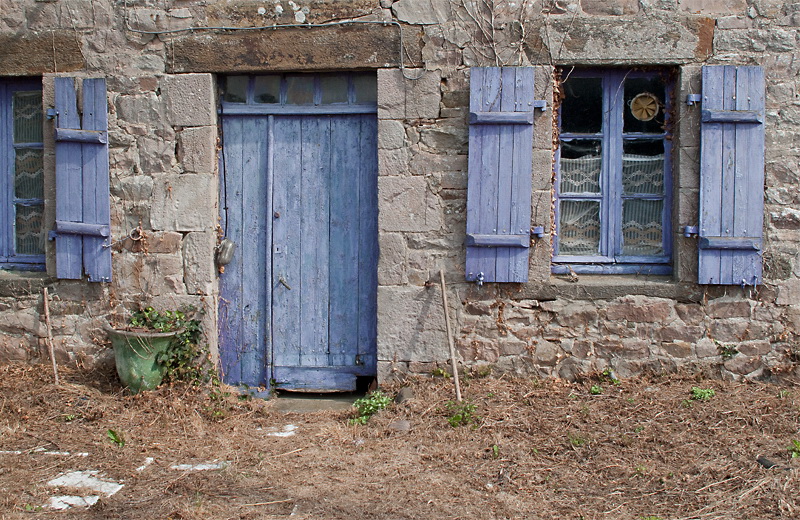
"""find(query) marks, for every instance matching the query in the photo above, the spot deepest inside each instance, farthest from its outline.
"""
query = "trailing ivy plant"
(185, 359)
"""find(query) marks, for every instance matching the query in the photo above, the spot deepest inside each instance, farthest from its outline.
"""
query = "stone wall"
(164, 173)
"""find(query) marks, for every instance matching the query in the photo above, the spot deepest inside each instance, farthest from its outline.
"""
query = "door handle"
(283, 282)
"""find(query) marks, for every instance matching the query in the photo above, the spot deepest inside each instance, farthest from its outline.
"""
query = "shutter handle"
(283, 282)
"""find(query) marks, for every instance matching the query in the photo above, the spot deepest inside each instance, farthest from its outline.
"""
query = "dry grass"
(538, 449)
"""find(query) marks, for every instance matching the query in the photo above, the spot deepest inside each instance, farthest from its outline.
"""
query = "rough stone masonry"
(164, 146)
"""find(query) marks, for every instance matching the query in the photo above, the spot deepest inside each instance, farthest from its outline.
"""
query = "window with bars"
(22, 240)
(613, 182)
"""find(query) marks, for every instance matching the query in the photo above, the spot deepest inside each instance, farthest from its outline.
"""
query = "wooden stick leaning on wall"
(453, 361)
(50, 334)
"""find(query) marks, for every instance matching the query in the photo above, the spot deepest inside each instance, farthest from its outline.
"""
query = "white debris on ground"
(286, 431)
(45, 452)
(84, 480)
(147, 462)
(200, 467)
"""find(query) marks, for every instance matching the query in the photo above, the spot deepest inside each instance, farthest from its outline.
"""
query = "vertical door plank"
(254, 269)
(231, 281)
(69, 183)
(368, 242)
(287, 286)
(314, 240)
(344, 239)
(96, 203)
(711, 166)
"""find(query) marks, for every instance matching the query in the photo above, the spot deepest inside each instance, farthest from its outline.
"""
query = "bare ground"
(537, 449)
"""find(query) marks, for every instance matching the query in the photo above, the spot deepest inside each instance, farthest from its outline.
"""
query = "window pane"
(267, 89)
(582, 106)
(644, 105)
(334, 89)
(28, 117)
(366, 87)
(300, 90)
(29, 237)
(236, 89)
(580, 165)
(28, 174)
(642, 230)
(643, 167)
(579, 232)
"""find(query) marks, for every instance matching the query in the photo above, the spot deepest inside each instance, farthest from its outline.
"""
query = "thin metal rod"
(453, 361)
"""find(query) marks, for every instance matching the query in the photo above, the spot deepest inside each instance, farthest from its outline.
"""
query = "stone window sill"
(603, 287)
(22, 283)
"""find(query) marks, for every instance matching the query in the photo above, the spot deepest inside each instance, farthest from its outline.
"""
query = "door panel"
(299, 303)
(244, 291)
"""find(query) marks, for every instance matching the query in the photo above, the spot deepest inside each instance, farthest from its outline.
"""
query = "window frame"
(612, 136)
(9, 259)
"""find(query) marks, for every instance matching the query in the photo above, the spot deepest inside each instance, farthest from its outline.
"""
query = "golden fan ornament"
(644, 107)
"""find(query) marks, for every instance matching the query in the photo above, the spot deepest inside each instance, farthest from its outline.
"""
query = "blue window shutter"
(83, 220)
(499, 186)
(731, 176)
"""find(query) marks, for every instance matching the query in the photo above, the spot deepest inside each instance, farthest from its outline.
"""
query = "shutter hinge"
(51, 113)
(538, 232)
(541, 104)
(690, 231)
(693, 99)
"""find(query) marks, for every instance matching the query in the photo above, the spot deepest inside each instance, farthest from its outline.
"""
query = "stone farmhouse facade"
(605, 184)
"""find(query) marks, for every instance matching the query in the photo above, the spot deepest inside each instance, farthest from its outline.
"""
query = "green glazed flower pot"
(136, 355)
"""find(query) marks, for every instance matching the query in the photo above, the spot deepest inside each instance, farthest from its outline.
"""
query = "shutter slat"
(499, 185)
(96, 204)
(69, 182)
(732, 176)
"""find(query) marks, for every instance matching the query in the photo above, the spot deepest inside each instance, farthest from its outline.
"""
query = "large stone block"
(391, 134)
(612, 7)
(422, 12)
(140, 276)
(197, 149)
(185, 202)
(190, 99)
(402, 98)
(393, 162)
(406, 204)
(639, 309)
(135, 188)
(411, 324)
(714, 7)
(392, 260)
(198, 262)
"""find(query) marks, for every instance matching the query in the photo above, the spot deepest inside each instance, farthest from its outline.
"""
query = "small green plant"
(651, 517)
(439, 372)
(783, 394)
(596, 390)
(608, 375)
(116, 437)
(638, 429)
(31, 508)
(369, 405)
(461, 414)
(702, 394)
(495, 451)
(794, 449)
(69, 417)
(686, 403)
(726, 351)
(577, 440)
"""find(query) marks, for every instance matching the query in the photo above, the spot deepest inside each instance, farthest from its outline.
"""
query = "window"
(613, 183)
(302, 89)
(21, 175)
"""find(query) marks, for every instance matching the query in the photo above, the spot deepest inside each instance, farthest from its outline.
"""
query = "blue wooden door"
(298, 301)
